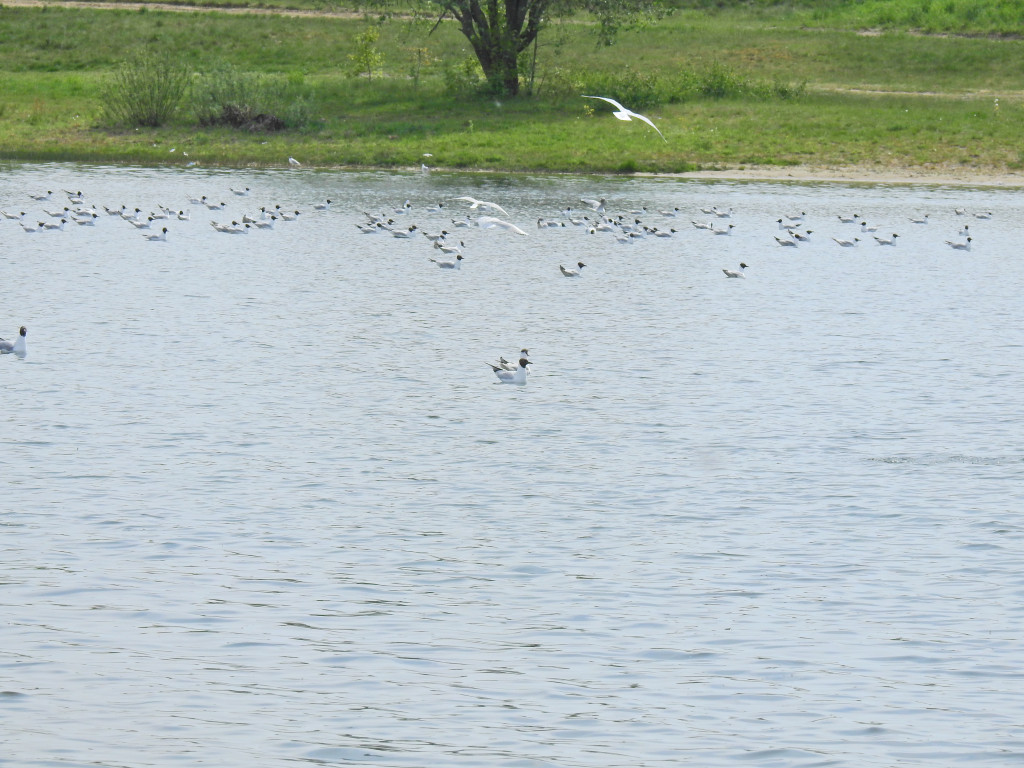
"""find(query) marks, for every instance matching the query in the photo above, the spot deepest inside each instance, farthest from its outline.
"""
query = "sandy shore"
(849, 174)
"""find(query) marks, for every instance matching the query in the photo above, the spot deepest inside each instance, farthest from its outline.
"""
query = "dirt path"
(177, 7)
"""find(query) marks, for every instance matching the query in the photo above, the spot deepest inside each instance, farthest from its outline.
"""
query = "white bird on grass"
(16, 347)
(293, 162)
(734, 272)
(517, 377)
(474, 203)
(627, 114)
(489, 222)
(573, 272)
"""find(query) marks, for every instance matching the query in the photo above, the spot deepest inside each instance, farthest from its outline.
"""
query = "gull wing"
(490, 222)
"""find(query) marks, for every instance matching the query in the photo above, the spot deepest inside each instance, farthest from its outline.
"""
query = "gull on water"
(324, 206)
(509, 365)
(161, 238)
(16, 347)
(573, 272)
(964, 246)
(734, 272)
(847, 243)
(455, 264)
(474, 203)
(517, 377)
(627, 114)
(886, 240)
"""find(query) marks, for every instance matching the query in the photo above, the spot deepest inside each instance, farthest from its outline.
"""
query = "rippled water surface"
(264, 503)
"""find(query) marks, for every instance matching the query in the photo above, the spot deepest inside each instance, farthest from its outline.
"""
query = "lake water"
(264, 503)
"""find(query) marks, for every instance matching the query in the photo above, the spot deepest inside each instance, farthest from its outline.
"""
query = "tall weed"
(252, 101)
(146, 90)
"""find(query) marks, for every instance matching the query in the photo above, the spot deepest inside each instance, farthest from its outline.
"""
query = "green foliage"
(252, 101)
(641, 90)
(146, 90)
(464, 77)
(367, 58)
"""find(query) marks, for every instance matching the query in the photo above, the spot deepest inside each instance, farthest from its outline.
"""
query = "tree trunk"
(499, 30)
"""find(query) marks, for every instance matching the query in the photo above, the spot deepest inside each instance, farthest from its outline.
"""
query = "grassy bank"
(880, 100)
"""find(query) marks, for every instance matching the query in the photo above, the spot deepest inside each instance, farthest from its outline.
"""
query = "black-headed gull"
(886, 240)
(964, 246)
(627, 114)
(847, 243)
(517, 377)
(16, 347)
(509, 366)
(161, 238)
(454, 264)
(734, 272)
(573, 272)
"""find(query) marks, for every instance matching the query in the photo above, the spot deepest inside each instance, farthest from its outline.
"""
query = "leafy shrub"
(146, 90)
(637, 90)
(251, 101)
(464, 77)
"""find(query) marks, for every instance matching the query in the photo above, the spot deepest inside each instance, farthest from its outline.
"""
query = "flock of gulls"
(592, 216)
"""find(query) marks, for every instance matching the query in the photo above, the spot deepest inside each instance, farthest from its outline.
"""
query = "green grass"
(894, 99)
